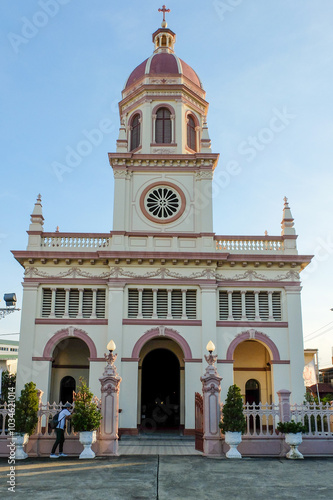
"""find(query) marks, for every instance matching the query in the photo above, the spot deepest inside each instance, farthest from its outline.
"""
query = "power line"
(318, 335)
(309, 334)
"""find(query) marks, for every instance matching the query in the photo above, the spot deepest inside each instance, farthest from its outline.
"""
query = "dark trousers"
(59, 441)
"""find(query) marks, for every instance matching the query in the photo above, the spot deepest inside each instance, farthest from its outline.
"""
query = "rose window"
(162, 202)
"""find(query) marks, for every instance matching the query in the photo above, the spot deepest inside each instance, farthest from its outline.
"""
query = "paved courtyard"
(164, 477)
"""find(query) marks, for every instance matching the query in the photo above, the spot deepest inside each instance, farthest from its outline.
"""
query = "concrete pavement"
(169, 478)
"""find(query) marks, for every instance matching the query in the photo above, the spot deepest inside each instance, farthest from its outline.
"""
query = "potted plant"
(26, 418)
(86, 419)
(233, 423)
(293, 436)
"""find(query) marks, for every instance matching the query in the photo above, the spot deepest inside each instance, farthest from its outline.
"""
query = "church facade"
(162, 284)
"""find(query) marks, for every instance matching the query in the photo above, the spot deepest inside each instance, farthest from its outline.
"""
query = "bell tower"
(164, 165)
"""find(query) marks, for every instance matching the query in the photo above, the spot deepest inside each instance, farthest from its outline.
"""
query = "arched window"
(67, 387)
(135, 132)
(191, 133)
(163, 126)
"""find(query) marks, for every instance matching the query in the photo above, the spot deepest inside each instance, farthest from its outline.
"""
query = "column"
(66, 314)
(256, 303)
(284, 404)
(211, 388)
(110, 385)
(243, 305)
(154, 316)
(79, 315)
(169, 315)
(270, 306)
(209, 315)
(140, 316)
(53, 298)
(230, 317)
(93, 314)
(184, 316)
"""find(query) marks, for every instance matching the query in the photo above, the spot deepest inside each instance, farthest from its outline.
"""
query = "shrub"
(86, 416)
(233, 416)
(291, 427)
(26, 409)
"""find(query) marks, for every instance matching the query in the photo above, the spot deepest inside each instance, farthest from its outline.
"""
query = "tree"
(7, 380)
(86, 416)
(26, 409)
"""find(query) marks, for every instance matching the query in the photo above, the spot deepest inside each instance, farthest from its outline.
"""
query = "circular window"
(162, 203)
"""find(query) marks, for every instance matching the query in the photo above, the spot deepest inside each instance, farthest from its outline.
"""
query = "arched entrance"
(70, 362)
(252, 371)
(67, 387)
(161, 386)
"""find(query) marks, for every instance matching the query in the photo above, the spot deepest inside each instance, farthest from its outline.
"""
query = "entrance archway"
(70, 361)
(252, 392)
(161, 386)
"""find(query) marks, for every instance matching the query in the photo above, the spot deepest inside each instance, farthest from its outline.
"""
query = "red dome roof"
(163, 64)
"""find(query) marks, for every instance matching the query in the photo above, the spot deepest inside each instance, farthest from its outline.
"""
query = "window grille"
(135, 132)
(191, 133)
(236, 305)
(74, 298)
(73, 303)
(191, 304)
(250, 308)
(223, 305)
(133, 303)
(87, 303)
(162, 303)
(176, 304)
(263, 306)
(277, 311)
(147, 303)
(60, 300)
(100, 303)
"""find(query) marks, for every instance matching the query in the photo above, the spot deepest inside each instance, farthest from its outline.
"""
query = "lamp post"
(10, 299)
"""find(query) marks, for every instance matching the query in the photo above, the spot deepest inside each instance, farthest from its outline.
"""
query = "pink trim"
(129, 360)
(154, 219)
(249, 238)
(255, 335)
(66, 333)
(41, 358)
(164, 105)
(169, 333)
(193, 360)
(226, 361)
(163, 235)
(280, 362)
(178, 322)
(69, 321)
(266, 324)
(97, 359)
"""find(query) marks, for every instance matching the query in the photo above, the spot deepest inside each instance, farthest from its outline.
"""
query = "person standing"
(64, 415)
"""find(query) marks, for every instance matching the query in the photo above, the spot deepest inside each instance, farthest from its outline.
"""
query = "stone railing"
(250, 244)
(317, 418)
(75, 241)
(261, 419)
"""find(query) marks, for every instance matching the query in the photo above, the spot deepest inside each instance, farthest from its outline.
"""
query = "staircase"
(156, 443)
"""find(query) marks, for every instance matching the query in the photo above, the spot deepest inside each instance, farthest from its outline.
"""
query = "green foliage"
(86, 416)
(233, 416)
(291, 427)
(26, 409)
(8, 380)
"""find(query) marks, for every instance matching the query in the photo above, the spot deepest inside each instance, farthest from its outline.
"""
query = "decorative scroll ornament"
(110, 369)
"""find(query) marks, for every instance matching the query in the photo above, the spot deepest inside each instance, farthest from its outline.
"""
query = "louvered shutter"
(147, 303)
(263, 306)
(46, 302)
(191, 304)
(162, 303)
(176, 304)
(223, 305)
(100, 303)
(87, 303)
(277, 311)
(250, 305)
(236, 305)
(60, 300)
(133, 303)
(73, 309)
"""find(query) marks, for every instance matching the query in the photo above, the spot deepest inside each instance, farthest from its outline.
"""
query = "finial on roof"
(164, 10)
(287, 223)
(57, 229)
(266, 233)
(39, 198)
(37, 219)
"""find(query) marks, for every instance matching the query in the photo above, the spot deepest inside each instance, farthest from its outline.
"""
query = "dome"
(163, 62)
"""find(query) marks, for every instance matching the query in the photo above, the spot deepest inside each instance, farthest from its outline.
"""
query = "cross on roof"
(164, 10)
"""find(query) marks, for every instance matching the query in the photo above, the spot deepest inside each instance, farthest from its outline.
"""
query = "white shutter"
(87, 303)
(263, 306)
(250, 307)
(46, 302)
(60, 300)
(133, 303)
(162, 303)
(277, 311)
(223, 305)
(147, 303)
(73, 309)
(100, 303)
(236, 305)
(191, 304)
(176, 304)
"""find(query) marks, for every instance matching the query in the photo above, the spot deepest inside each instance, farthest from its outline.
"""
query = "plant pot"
(233, 439)
(87, 438)
(294, 440)
(20, 440)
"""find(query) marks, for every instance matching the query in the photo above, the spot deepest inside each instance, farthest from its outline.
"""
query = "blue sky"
(64, 64)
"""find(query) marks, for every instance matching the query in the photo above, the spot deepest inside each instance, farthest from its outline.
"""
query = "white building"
(8, 355)
(162, 284)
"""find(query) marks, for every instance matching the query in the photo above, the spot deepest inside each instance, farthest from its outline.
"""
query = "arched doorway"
(161, 386)
(252, 371)
(252, 391)
(67, 387)
(70, 362)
